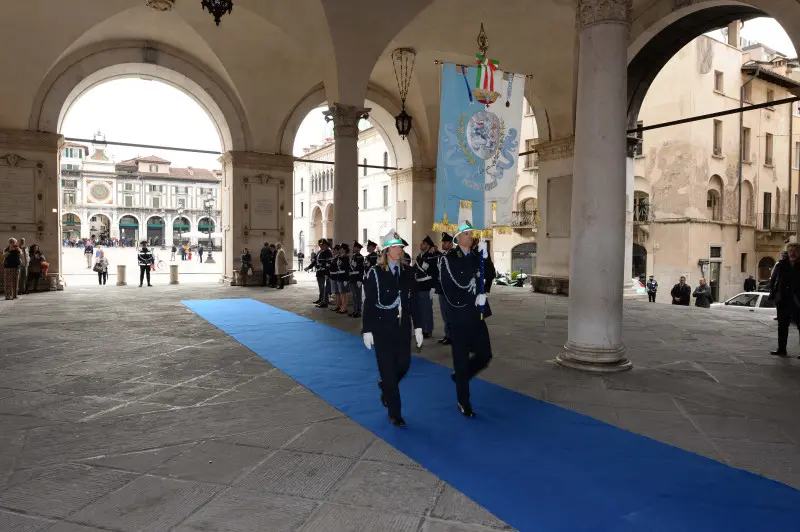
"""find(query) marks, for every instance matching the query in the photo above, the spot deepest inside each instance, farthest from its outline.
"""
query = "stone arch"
(524, 194)
(715, 198)
(748, 203)
(655, 45)
(327, 221)
(402, 153)
(83, 69)
(315, 227)
(765, 266)
(640, 184)
(155, 236)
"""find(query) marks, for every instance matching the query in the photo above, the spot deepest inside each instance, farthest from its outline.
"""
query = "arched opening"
(714, 198)
(99, 227)
(129, 230)
(155, 183)
(327, 225)
(207, 233)
(765, 266)
(523, 258)
(639, 263)
(642, 210)
(155, 231)
(181, 226)
(70, 228)
(748, 206)
(315, 229)
(301, 243)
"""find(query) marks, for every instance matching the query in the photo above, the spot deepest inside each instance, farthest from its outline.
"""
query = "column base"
(594, 359)
(550, 284)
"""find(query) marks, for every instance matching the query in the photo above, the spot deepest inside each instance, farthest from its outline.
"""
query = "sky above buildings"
(142, 111)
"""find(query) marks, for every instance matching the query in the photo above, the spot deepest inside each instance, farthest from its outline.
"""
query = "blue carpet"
(534, 465)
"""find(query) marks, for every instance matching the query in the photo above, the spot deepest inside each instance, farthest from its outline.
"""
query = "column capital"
(553, 150)
(596, 11)
(414, 174)
(345, 119)
(256, 160)
(23, 139)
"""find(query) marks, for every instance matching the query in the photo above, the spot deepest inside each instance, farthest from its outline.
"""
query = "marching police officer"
(425, 272)
(390, 309)
(406, 256)
(463, 290)
(356, 278)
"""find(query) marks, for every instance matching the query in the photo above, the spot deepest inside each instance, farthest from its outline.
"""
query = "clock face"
(99, 192)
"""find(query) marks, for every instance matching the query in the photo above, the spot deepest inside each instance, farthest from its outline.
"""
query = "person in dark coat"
(273, 278)
(468, 308)
(425, 274)
(321, 263)
(784, 288)
(357, 262)
(390, 312)
(652, 289)
(750, 284)
(681, 293)
(446, 246)
(372, 256)
(703, 295)
(264, 258)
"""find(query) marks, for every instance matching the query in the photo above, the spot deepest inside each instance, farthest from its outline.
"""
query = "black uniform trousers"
(651, 297)
(144, 270)
(786, 310)
(393, 351)
(322, 285)
(466, 338)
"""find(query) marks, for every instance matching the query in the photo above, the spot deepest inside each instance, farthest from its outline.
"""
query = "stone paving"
(123, 411)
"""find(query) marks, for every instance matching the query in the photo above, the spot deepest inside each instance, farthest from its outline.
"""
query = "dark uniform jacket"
(322, 262)
(749, 285)
(785, 281)
(381, 287)
(357, 263)
(145, 257)
(370, 262)
(425, 271)
(652, 286)
(456, 272)
(340, 268)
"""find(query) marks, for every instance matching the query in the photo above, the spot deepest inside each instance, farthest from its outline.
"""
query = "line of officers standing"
(398, 303)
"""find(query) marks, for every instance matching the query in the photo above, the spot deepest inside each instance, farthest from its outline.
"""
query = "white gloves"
(346, 284)
(433, 292)
(368, 340)
(483, 248)
(358, 284)
(417, 336)
(425, 266)
(480, 300)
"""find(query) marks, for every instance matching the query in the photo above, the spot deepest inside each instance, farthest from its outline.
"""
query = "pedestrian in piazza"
(391, 312)
(23, 267)
(146, 260)
(11, 261)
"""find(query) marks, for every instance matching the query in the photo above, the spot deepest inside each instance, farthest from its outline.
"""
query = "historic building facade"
(314, 184)
(144, 198)
(691, 217)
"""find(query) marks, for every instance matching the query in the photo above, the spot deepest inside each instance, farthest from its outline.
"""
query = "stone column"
(345, 191)
(594, 340)
(553, 234)
(256, 199)
(29, 181)
(627, 272)
(411, 201)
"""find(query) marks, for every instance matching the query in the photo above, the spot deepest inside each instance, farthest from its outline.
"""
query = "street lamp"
(180, 225)
(209, 205)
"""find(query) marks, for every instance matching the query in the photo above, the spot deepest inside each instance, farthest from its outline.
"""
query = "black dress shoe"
(779, 353)
(322, 305)
(427, 335)
(317, 302)
(446, 341)
(397, 421)
(466, 411)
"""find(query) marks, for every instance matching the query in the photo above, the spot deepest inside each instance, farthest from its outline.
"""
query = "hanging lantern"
(218, 8)
(403, 62)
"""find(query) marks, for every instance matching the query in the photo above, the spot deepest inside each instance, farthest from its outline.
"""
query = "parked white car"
(755, 302)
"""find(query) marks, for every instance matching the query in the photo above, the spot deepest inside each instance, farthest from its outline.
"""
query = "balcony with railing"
(643, 212)
(524, 219)
(776, 222)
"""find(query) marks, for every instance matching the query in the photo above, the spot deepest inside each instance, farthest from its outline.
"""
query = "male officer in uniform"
(446, 246)
(372, 257)
(425, 273)
(406, 256)
(321, 263)
(356, 275)
(459, 271)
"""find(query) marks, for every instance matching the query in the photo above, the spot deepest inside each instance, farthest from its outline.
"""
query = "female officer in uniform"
(390, 306)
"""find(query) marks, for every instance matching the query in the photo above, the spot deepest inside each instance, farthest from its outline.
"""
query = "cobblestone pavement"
(121, 410)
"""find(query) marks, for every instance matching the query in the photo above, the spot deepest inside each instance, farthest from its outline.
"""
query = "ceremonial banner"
(479, 130)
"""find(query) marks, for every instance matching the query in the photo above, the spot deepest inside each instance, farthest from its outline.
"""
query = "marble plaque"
(264, 201)
(559, 206)
(18, 196)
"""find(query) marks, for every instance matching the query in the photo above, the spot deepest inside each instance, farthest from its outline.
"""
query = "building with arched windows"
(692, 214)
(144, 198)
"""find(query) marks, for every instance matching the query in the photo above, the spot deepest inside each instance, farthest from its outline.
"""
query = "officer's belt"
(423, 279)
